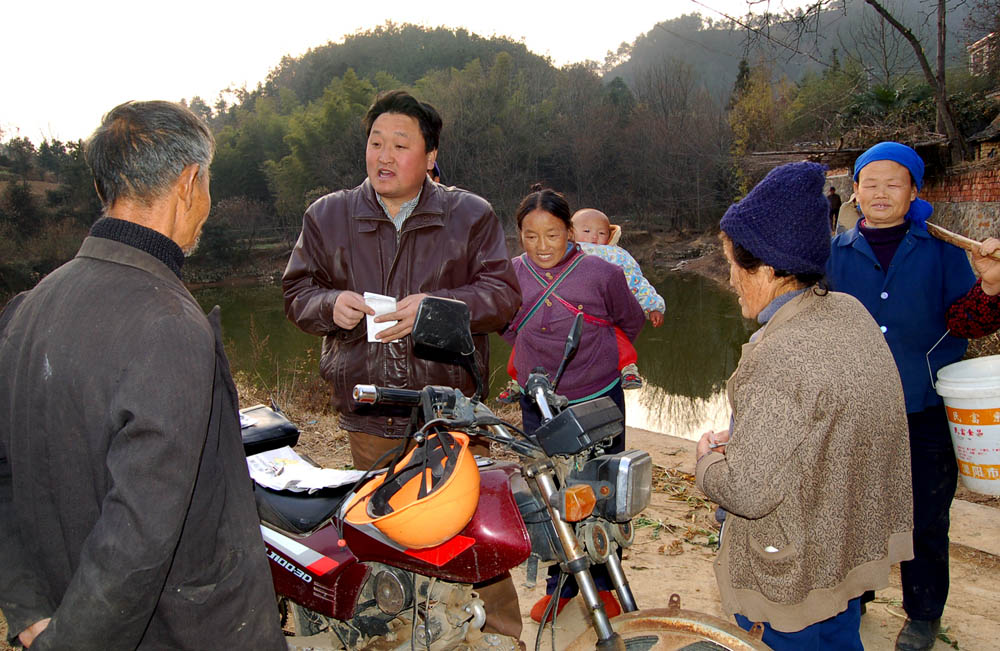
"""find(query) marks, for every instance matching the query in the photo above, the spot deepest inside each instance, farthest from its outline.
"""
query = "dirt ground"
(674, 551)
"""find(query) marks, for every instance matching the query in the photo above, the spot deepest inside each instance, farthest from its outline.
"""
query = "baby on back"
(596, 235)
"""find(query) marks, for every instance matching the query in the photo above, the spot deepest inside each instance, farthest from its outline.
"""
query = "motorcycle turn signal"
(577, 502)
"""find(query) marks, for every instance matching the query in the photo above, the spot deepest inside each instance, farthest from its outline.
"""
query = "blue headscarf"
(920, 210)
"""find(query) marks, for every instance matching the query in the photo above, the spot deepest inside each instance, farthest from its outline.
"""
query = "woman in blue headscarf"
(908, 280)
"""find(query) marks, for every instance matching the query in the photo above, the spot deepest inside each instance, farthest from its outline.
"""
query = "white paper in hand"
(381, 305)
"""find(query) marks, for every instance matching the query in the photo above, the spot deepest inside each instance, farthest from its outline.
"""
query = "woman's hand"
(712, 441)
(987, 268)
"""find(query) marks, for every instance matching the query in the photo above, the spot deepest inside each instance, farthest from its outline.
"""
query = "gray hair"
(142, 147)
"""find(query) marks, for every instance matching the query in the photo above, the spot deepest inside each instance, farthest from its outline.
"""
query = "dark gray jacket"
(126, 511)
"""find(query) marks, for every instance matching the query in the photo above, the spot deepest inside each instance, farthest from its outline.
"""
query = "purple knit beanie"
(785, 220)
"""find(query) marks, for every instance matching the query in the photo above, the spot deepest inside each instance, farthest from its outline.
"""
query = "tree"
(245, 218)
(19, 209)
(757, 115)
(325, 146)
(817, 111)
(22, 155)
(200, 108)
(945, 116)
(742, 75)
(52, 157)
(807, 21)
(881, 47)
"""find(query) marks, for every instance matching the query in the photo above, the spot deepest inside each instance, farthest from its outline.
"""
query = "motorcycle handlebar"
(540, 389)
(369, 394)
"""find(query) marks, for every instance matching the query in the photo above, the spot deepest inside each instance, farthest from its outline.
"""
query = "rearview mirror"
(443, 324)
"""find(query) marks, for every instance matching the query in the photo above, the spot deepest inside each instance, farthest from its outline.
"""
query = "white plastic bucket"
(971, 393)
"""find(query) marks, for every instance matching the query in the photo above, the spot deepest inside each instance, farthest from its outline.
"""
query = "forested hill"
(848, 31)
(404, 52)
(649, 137)
(511, 119)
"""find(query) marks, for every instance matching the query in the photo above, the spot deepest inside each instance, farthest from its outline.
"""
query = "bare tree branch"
(945, 116)
(763, 29)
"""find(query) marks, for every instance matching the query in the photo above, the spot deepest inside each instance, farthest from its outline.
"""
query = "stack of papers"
(284, 470)
(382, 305)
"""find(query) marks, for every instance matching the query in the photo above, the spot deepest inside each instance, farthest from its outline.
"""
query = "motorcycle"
(349, 585)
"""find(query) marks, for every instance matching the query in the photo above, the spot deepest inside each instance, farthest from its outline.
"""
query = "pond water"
(685, 362)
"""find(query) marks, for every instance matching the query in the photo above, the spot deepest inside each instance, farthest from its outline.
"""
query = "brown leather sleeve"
(309, 290)
(494, 294)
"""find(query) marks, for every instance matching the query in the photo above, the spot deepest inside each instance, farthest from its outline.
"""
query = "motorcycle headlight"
(622, 482)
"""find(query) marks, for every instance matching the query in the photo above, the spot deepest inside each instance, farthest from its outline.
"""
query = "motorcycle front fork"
(578, 564)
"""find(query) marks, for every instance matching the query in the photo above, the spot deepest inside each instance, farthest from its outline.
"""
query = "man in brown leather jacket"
(398, 234)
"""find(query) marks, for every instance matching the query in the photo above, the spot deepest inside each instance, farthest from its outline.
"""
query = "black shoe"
(918, 634)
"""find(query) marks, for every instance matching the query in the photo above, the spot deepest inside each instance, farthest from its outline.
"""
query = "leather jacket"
(452, 245)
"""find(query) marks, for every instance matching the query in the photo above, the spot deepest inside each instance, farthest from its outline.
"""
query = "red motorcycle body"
(325, 573)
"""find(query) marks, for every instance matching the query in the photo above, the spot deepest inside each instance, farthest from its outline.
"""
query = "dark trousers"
(839, 633)
(935, 475)
(531, 418)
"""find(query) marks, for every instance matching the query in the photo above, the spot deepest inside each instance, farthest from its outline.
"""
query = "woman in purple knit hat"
(814, 470)
(582, 284)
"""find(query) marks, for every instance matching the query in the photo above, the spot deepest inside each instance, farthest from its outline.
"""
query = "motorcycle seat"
(298, 512)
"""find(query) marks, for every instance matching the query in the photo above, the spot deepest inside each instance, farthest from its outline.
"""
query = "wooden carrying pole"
(958, 240)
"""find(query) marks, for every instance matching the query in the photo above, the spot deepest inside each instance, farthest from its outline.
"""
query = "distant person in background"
(127, 519)
(817, 513)
(910, 282)
(847, 216)
(834, 199)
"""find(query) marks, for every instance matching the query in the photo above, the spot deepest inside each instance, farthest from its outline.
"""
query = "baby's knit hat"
(785, 220)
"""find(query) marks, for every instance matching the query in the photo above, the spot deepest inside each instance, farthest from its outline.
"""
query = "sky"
(66, 63)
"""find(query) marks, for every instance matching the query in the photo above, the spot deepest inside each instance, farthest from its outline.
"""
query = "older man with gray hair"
(126, 514)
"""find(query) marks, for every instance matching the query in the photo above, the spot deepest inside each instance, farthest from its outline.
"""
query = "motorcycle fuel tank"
(494, 541)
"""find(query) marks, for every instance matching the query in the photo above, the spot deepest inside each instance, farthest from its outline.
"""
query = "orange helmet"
(427, 498)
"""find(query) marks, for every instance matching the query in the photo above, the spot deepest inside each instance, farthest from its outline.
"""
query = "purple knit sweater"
(602, 291)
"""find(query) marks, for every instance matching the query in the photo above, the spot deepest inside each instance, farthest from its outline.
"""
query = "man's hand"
(656, 318)
(406, 314)
(988, 268)
(28, 635)
(349, 309)
(712, 441)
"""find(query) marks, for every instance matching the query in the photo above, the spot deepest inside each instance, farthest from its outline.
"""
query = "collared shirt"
(404, 211)
(765, 315)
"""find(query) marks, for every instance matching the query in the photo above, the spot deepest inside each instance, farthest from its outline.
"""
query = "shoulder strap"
(569, 306)
(548, 291)
(593, 320)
